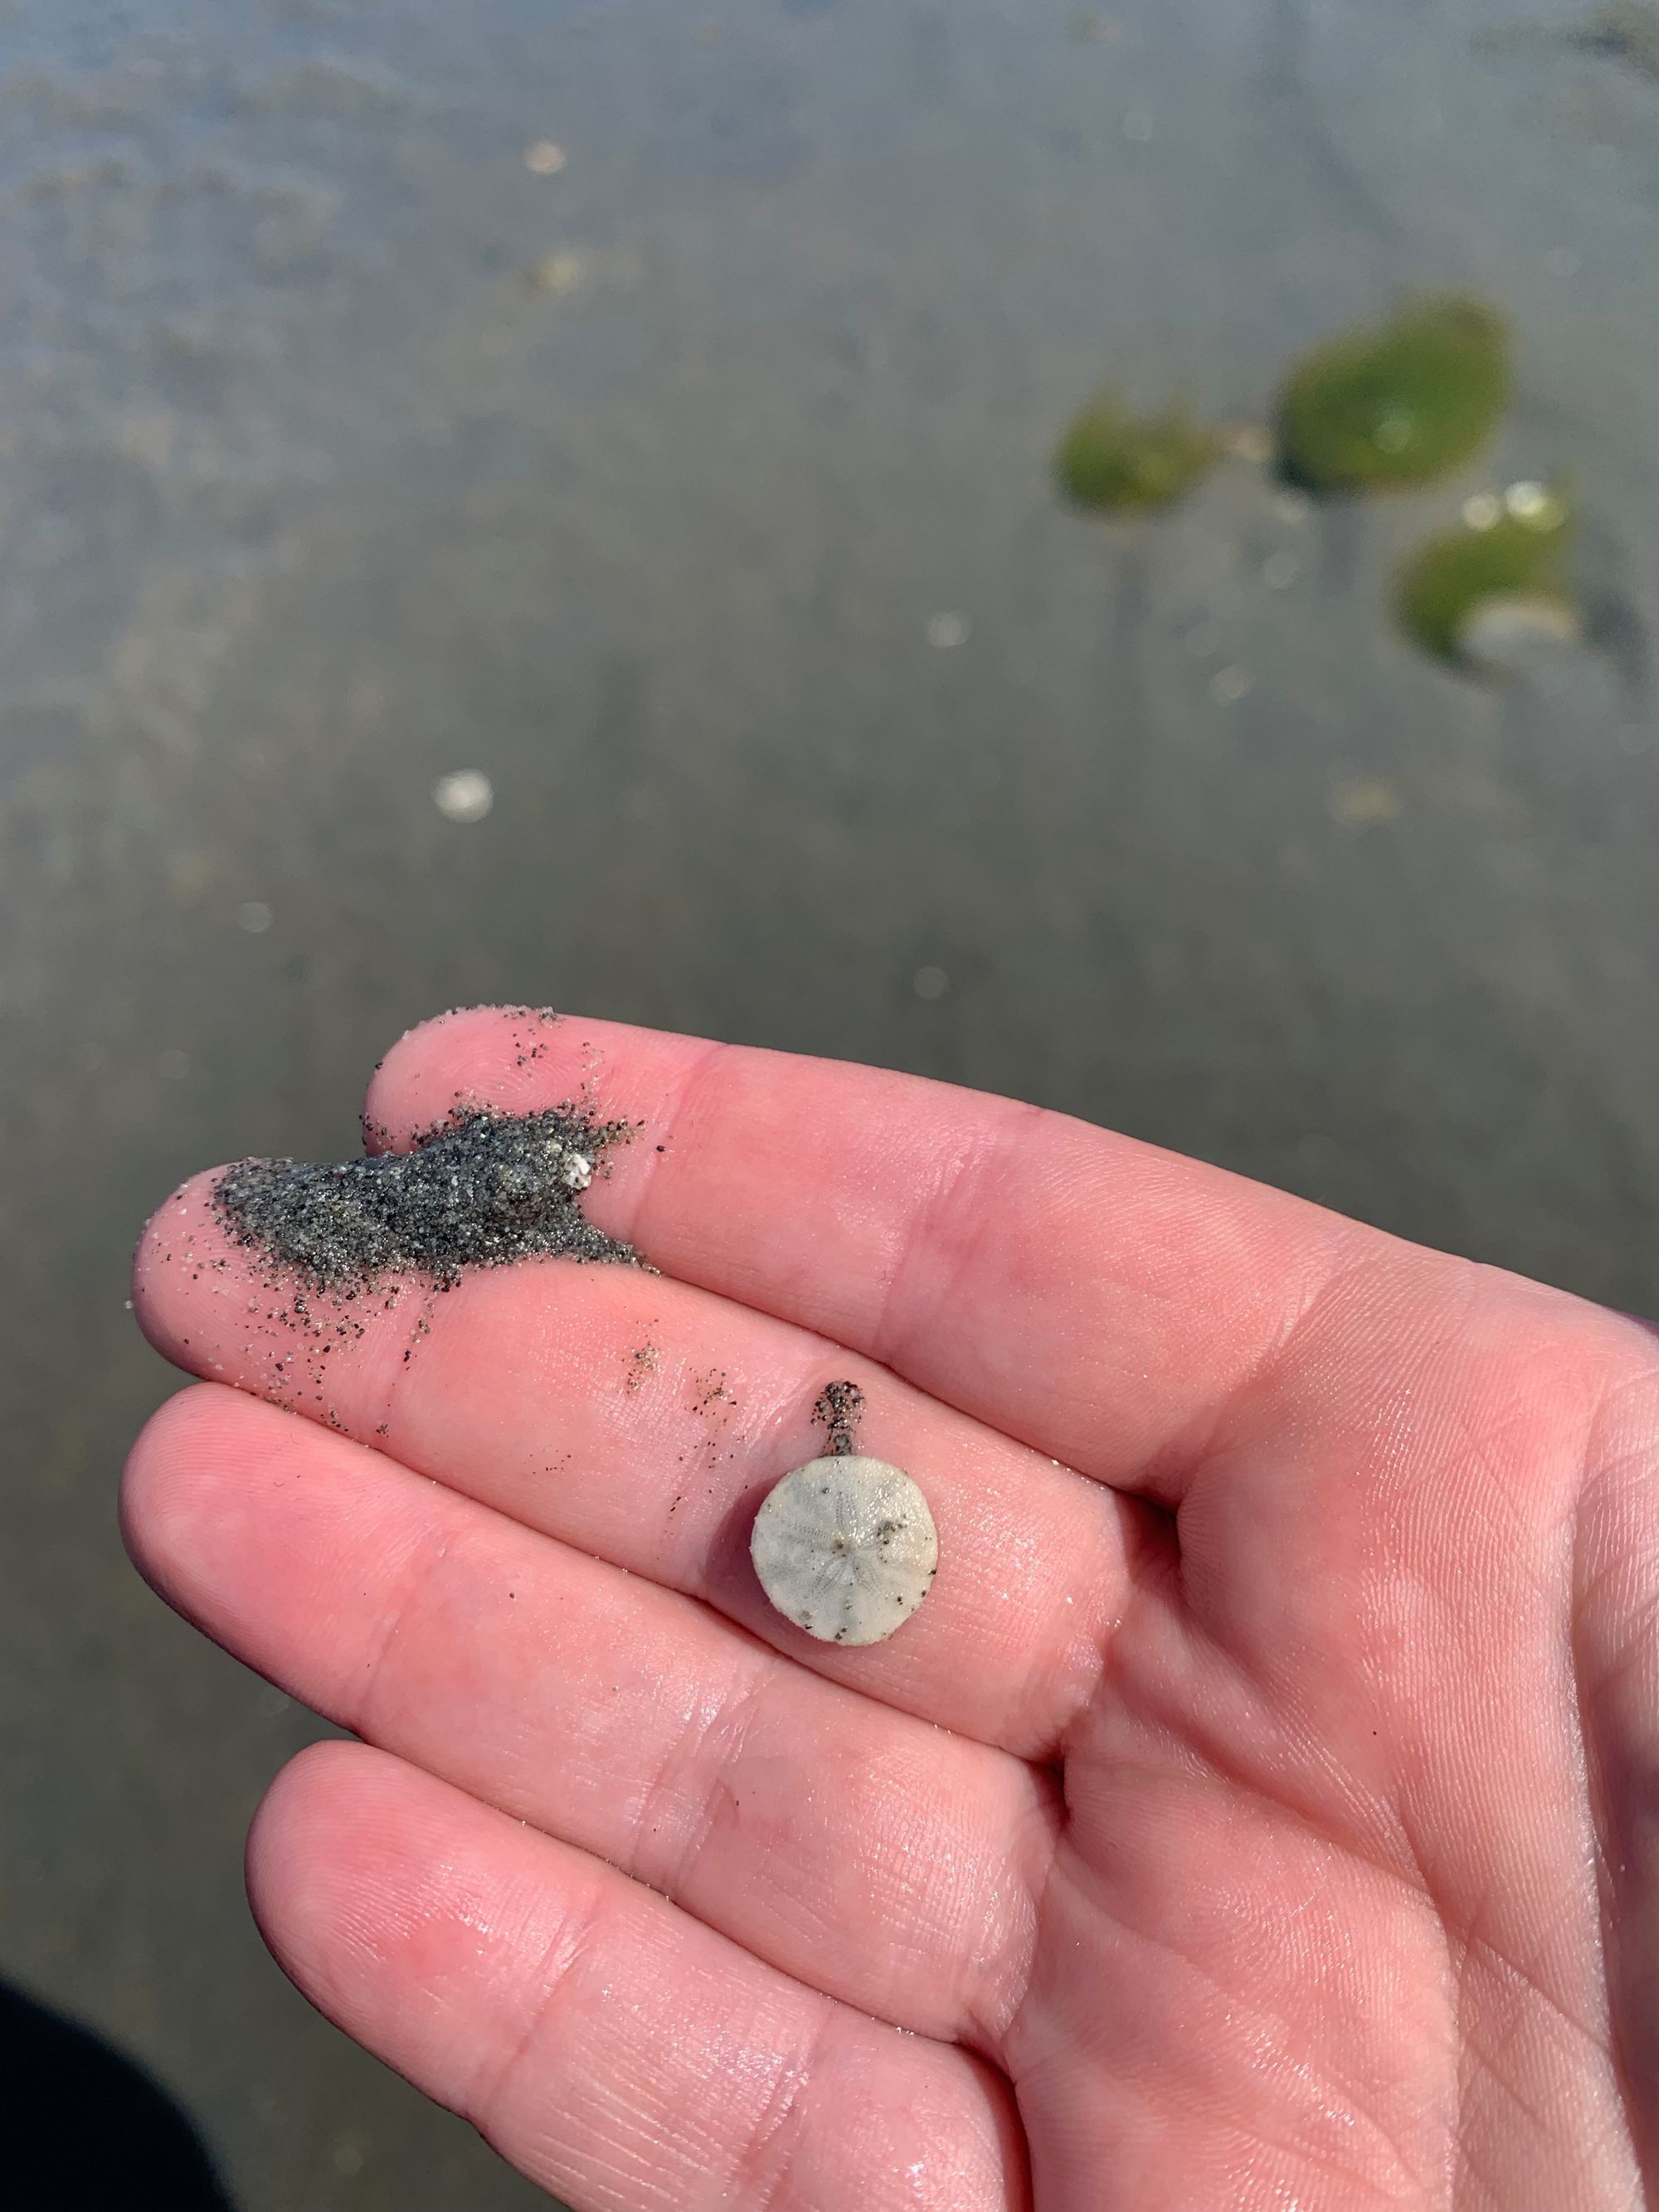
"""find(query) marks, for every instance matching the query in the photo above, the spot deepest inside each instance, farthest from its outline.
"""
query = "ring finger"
(892, 1864)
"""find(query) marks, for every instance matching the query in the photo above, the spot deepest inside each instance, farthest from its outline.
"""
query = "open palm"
(1262, 1812)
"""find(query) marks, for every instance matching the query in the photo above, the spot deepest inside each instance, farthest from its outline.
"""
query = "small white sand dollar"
(846, 1548)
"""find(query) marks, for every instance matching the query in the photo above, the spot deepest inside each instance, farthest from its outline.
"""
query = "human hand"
(1263, 1815)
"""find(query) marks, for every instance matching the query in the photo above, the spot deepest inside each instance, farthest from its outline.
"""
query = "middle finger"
(642, 1421)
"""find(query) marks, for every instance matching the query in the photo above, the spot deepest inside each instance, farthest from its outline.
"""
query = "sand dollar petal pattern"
(846, 1548)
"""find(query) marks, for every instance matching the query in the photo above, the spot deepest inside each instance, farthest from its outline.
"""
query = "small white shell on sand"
(846, 1548)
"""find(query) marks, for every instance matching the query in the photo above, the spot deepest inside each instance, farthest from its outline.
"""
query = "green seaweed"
(1627, 31)
(1401, 404)
(1120, 463)
(1513, 552)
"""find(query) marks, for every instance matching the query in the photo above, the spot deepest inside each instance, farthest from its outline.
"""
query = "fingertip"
(151, 1500)
(299, 1860)
(354, 1863)
(522, 1059)
(304, 1797)
(180, 1240)
(472, 1055)
(155, 1238)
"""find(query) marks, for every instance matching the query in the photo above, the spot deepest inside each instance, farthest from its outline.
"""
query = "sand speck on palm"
(480, 1191)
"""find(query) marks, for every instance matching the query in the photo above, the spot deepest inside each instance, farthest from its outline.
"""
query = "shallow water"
(697, 493)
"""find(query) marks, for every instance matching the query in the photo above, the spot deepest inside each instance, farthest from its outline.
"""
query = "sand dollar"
(846, 1548)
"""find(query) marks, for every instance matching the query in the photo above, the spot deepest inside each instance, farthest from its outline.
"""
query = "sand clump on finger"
(481, 1190)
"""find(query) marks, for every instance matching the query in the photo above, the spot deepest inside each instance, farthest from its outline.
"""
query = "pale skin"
(1260, 1812)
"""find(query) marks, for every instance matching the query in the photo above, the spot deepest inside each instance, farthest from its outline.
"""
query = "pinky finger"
(616, 2050)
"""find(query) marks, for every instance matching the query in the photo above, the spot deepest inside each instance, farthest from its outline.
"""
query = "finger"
(1099, 1299)
(614, 2051)
(643, 1421)
(891, 1863)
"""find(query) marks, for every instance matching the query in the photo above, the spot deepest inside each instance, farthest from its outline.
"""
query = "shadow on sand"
(86, 2129)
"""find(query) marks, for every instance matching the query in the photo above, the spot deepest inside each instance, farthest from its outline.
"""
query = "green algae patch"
(1401, 404)
(1116, 462)
(1496, 593)
(1627, 32)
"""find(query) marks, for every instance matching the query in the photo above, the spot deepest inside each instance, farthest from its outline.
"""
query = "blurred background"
(557, 502)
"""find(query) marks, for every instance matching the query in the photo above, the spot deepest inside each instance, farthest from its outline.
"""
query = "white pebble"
(558, 273)
(466, 796)
(846, 1548)
(577, 1172)
(1513, 633)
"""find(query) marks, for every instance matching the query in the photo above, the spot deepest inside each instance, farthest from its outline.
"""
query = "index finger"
(1092, 1296)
